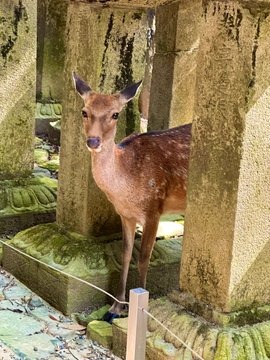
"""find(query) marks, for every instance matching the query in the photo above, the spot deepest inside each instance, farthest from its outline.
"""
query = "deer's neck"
(104, 165)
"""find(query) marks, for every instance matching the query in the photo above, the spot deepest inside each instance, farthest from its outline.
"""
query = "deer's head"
(100, 112)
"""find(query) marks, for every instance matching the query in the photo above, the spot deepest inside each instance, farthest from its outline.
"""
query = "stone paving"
(31, 329)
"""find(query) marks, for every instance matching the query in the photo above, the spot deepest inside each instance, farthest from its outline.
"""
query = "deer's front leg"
(128, 230)
(147, 244)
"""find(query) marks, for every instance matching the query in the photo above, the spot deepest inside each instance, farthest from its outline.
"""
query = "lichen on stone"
(212, 342)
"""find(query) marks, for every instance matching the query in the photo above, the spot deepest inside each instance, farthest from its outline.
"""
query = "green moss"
(27, 195)
(28, 199)
(98, 314)
(238, 347)
(41, 155)
(224, 346)
(100, 331)
(211, 341)
(43, 195)
(49, 110)
(3, 199)
(46, 160)
(57, 109)
(62, 248)
(258, 343)
(243, 316)
(48, 182)
(17, 198)
(248, 345)
(264, 329)
(45, 110)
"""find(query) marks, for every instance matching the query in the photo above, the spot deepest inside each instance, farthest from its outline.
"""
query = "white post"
(137, 324)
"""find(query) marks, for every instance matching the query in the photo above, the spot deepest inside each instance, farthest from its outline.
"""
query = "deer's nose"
(93, 142)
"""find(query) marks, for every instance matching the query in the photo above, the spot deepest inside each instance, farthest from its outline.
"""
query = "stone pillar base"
(208, 340)
(26, 202)
(87, 259)
(241, 317)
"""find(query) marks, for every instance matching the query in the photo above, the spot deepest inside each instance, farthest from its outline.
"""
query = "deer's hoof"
(110, 316)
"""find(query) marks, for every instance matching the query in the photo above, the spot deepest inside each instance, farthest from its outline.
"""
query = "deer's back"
(158, 152)
(156, 167)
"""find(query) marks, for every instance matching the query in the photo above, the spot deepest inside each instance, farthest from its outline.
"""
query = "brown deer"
(144, 176)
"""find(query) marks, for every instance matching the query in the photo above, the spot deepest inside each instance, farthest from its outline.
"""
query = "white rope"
(105, 292)
(181, 341)
(62, 272)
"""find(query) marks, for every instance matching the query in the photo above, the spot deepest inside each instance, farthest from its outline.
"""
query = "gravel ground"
(32, 329)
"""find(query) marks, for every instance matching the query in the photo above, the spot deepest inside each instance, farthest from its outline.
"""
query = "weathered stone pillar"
(22, 199)
(17, 91)
(226, 250)
(174, 66)
(51, 50)
(106, 47)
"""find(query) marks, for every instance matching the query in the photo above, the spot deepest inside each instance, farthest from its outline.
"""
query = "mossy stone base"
(98, 314)
(210, 341)
(119, 340)
(101, 332)
(244, 316)
(46, 160)
(26, 202)
(98, 263)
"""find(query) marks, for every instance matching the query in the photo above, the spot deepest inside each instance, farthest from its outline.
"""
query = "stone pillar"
(174, 66)
(17, 91)
(226, 250)
(24, 201)
(51, 51)
(106, 46)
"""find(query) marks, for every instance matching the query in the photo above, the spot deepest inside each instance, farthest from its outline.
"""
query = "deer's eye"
(115, 116)
(84, 114)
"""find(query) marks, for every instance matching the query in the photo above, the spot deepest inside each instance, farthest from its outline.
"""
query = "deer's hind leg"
(128, 234)
(147, 245)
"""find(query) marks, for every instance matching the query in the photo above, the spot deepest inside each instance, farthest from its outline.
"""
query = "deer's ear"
(129, 92)
(81, 86)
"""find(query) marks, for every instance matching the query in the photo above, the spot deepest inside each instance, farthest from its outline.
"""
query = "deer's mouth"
(97, 150)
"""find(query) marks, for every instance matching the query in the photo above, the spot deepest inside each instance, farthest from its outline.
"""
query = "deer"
(143, 176)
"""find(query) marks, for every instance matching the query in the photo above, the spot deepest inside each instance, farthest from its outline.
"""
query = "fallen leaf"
(75, 327)
(53, 318)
